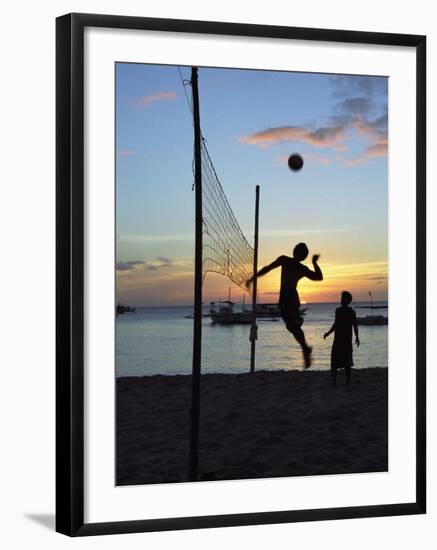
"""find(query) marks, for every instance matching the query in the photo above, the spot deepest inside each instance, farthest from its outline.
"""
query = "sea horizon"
(247, 303)
(158, 340)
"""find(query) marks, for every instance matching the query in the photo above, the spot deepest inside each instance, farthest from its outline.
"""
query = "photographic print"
(241, 230)
(251, 305)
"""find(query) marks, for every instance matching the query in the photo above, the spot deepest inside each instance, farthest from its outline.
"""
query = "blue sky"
(252, 121)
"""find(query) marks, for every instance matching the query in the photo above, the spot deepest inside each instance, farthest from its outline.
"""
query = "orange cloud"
(352, 117)
(316, 158)
(148, 99)
(378, 150)
(375, 150)
(341, 147)
(376, 133)
(355, 161)
(320, 137)
(157, 281)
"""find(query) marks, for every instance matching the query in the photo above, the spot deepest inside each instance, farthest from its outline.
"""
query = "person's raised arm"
(357, 337)
(317, 274)
(277, 263)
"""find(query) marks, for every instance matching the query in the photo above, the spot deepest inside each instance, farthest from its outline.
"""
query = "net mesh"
(225, 248)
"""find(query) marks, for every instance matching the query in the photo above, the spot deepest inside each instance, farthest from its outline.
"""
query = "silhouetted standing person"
(292, 271)
(341, 354)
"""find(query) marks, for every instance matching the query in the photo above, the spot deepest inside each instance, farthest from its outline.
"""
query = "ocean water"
(158, 340)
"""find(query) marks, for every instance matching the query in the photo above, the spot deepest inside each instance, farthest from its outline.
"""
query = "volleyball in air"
(295, 162)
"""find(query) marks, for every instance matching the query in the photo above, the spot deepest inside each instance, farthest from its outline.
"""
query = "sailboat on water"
(372, 320)
(223, 313)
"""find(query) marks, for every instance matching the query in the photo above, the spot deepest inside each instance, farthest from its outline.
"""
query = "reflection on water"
(159, 341)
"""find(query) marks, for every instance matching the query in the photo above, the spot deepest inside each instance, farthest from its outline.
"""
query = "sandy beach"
(266, 424)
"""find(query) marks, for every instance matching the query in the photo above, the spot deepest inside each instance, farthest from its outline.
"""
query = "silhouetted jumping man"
(292, 271)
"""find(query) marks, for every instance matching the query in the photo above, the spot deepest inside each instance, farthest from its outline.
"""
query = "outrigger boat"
(225, 314)
(372, 320)
(268, 310)
(121, 309)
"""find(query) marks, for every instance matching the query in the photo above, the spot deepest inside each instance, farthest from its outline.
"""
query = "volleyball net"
(225, 248)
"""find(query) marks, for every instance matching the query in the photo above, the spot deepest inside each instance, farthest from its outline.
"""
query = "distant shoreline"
(306, 304)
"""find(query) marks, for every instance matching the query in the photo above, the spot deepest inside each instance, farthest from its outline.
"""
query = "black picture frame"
(70, 273)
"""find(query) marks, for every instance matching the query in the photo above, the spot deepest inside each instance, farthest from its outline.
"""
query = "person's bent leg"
(298, 333)
(293, 322)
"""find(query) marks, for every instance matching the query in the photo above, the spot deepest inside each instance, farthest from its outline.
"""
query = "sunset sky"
(252, 121)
